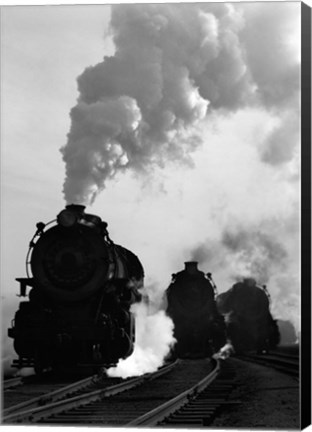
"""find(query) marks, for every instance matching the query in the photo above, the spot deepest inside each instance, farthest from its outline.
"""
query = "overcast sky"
(185, 140)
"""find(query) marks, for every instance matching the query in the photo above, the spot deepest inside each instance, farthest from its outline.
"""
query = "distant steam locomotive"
(82, 287)
(250, 325)
(198, 326)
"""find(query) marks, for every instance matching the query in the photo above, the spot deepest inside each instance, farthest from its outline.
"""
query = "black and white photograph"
(155, 215)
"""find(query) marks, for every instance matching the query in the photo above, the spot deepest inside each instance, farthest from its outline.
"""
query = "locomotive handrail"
(32, 244)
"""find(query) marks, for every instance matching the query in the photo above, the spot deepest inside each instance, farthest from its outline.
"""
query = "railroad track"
(65, 397)
(35, 391)
(12, 382)
(23, 389)
(198, 406)
(157, 401)
(282, 361)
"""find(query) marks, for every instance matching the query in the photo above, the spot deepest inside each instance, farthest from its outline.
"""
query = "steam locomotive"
(82, 287)
(249, 323)
(198, 326)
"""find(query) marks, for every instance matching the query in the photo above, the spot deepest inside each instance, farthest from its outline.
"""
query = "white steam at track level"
(174, 66)
(154, 338)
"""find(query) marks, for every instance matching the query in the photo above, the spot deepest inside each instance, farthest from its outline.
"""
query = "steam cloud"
(154, 338)
(174, 66)
(247, 253)
(255, 254)
(259, 254)
(244, 254)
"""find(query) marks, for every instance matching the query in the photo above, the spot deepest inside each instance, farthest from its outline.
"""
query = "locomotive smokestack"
(77, 208)
(71, 214)
(250, 281)
(191, 267)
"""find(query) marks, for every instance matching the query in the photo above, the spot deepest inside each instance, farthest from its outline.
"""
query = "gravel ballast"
(268, 400)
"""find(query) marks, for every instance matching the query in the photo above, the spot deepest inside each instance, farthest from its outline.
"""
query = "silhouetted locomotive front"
(82, 287)
(198, 327)
(250, 325)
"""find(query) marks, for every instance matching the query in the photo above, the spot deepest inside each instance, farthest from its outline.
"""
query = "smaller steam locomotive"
(249, 323)
(198, 326)
(82, 287)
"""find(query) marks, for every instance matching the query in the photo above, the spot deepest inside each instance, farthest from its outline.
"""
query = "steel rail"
(12, 382)
(36, 414)
(284, 354)
(158, 414)
(280, 363)
(51, 396)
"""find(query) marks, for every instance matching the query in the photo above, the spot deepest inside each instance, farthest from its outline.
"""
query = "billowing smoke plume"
(173, 66)
(154, 339)
(216, 85)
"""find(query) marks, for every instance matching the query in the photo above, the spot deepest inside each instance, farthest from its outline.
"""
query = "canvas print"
(150, 220)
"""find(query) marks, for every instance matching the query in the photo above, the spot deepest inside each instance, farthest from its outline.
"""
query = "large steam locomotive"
(198, 326)
(249, 323)
(82, 287)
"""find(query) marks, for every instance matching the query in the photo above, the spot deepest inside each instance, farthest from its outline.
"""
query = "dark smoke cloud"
(173, 65)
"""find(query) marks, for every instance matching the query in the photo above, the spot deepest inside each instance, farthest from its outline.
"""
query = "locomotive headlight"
(66, 218)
